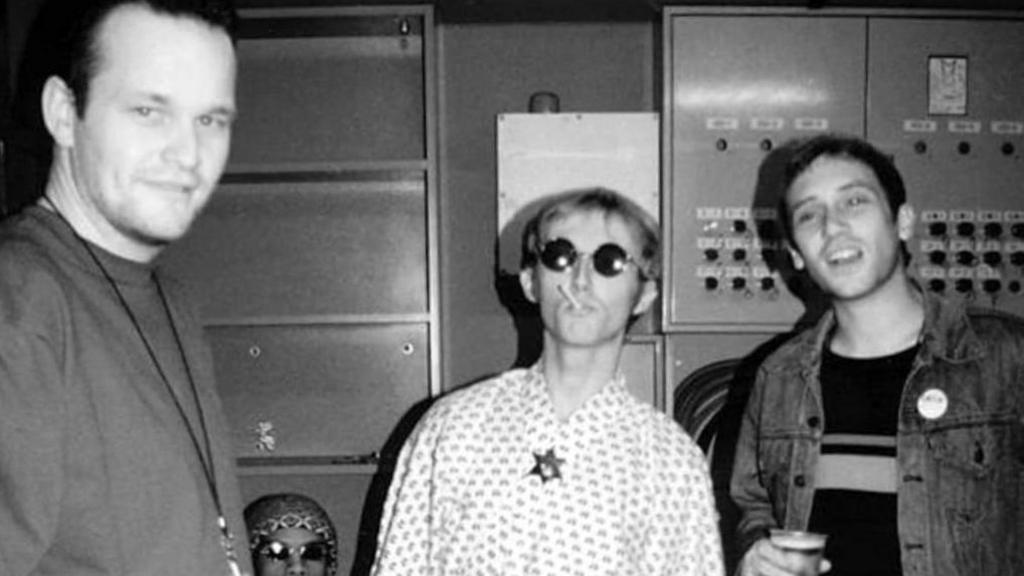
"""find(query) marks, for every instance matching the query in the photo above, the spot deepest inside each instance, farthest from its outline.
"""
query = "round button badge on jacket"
(932, 403)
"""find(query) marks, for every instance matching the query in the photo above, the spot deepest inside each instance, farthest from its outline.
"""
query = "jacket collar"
(946, 334)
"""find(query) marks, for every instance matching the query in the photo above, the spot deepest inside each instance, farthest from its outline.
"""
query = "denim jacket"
(960, 475)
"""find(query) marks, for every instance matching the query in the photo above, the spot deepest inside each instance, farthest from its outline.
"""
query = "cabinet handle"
(349, 459)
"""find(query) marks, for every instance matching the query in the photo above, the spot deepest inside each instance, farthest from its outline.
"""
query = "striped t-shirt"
(855, 498)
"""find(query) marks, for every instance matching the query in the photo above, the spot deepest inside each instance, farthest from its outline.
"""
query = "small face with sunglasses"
(589, 280)
(291, 551)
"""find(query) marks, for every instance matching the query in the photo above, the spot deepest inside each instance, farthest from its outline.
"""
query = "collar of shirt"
(544, 430)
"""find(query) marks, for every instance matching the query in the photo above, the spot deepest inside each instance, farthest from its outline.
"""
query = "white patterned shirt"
(474, 494)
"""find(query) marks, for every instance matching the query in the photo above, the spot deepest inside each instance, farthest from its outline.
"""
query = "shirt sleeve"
(31, 448)
(405, 543)
(746, 488)
(685, 538)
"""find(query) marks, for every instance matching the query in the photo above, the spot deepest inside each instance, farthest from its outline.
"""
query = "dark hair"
(607, 202)
(804, 154)
(841, 146)
(81, 50)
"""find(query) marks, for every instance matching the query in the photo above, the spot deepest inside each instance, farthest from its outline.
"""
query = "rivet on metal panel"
(767, 145)
(920, 147)
(255, 351)
(1008, 149)
(964, 148)
(408, 349)
(721, 144)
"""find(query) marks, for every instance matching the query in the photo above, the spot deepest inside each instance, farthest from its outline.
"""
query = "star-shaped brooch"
(547, 466)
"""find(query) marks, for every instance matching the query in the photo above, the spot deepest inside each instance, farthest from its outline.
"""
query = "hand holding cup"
(803, 551)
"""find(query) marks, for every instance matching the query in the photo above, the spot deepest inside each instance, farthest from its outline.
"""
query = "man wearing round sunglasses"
(556, 468)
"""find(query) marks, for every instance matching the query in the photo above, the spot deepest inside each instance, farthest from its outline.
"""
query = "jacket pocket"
(974, 491)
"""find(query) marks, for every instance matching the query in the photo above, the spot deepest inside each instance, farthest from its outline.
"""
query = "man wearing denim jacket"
(895, 425)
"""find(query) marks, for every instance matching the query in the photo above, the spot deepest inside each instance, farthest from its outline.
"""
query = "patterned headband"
(273, 512)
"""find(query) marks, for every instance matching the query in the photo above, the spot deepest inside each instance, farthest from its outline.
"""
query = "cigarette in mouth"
(568, 296)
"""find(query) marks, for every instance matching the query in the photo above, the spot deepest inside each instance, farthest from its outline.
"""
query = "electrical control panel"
(943, 95)
(956, 134)
(740, 87)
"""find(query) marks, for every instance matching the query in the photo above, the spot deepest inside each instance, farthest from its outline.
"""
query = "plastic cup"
(803, 550)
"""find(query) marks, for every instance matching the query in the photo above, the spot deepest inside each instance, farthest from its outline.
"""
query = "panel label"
(964, 127)
(709, 213)
(705, 243)
(767, 123)
(812, 124)
(737, 213)
(961, 272)
(985, 272)
(920, 126)
(720, 123)
(709, 271)
(1007, 127)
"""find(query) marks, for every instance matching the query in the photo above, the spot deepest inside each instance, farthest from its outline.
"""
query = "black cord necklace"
(205, 458)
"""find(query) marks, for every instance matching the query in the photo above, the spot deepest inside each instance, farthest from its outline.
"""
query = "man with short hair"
(114, 455)
(895, 426)
(556, 469)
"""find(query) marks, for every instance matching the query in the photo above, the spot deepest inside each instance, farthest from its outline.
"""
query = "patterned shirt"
(490, 483)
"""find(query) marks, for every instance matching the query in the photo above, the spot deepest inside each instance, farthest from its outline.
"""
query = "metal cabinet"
(316, 259)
